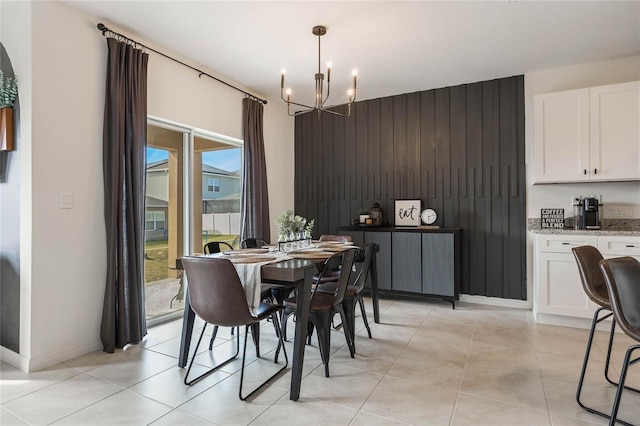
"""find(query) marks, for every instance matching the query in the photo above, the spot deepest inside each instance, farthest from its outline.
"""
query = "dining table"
(286, 271)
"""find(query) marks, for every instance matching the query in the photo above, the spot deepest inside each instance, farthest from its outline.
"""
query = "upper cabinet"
(587, 135)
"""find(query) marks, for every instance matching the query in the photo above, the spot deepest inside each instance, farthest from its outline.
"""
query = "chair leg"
(594, 323)
(215, 333)
(364, 314)
(348, 316)
(274, 318)
(195, 352)
(621, 387)
(606, 366)
(322, 321)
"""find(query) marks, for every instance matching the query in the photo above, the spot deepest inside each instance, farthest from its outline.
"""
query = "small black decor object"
(552, 218)
(376, 214)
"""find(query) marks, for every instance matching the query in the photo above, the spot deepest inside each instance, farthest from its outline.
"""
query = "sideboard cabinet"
(415, 261)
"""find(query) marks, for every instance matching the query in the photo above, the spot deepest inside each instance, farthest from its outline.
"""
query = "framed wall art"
(407, 212)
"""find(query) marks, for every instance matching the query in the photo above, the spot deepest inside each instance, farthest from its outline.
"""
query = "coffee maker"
(590, 212)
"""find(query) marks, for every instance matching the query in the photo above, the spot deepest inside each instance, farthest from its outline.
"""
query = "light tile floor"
(426, 365)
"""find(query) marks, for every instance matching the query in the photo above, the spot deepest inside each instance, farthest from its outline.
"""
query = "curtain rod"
(104, 29)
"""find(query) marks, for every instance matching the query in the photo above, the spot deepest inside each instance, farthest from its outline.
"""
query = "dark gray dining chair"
(216, 296)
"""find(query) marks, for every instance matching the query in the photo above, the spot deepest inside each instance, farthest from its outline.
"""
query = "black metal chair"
(354, 290)
(216, 247)
(216, 295)
(253, 243)
(622, 277)
(588, 259)
(324, 306)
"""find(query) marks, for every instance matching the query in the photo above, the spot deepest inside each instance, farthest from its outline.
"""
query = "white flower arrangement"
(290, 226)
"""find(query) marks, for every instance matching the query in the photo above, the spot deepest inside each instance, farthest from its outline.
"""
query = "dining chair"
(216, 296)
(216, 247)
(253, 243)
(622, 278)
(211, 248)
(353, 294)
(323, 306)
(337, 238)
(588, 259)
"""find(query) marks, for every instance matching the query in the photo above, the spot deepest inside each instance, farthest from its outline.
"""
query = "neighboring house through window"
(155, 220)
(214, 185)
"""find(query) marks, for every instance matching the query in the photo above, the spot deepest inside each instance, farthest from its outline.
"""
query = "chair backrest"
(216, 247)
(339, 238)
(253, 243)
(343, 261)
(622, 277)
(588, 259)
(215, 292)
(363, 263)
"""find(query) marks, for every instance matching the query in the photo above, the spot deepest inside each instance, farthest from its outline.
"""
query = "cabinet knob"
(595, 171)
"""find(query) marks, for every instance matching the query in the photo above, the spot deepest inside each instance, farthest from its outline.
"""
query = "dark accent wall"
(458, 149)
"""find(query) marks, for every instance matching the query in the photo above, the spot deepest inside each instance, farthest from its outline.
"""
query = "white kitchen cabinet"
(557, 286)
(586, 135)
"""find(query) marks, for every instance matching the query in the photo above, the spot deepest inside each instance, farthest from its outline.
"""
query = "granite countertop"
(608, 227)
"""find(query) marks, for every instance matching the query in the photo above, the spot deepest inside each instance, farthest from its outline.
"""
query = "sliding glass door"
(194, 182)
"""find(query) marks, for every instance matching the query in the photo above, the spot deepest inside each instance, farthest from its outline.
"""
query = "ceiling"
(397, 46)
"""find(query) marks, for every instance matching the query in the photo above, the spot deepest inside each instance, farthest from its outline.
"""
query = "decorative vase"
(6, 129)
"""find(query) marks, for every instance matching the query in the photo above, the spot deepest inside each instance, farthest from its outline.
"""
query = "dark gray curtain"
(124, 146)
(255, 198)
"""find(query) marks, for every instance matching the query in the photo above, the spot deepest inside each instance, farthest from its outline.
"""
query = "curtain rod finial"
(102, 28)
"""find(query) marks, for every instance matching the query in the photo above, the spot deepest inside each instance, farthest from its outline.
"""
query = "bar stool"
(593, 282)
(622, 277)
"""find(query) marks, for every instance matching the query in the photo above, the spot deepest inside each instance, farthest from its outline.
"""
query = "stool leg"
(594, 322)
(606, 367)
(621, 387)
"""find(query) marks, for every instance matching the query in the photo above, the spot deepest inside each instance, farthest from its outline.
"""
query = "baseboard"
(573, 322)
(15, 359)
(496, 301)
(30, 365)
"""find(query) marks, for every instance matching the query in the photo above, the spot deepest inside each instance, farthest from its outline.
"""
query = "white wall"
(619, 196)
(64, 249)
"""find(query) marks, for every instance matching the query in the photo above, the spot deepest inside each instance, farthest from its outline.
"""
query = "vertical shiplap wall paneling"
(459, 149)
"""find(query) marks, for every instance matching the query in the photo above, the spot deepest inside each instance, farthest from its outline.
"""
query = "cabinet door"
(559, 287)
(615, 132)
(438, 264)
(383, 257)
(561, 136)
(406, 262)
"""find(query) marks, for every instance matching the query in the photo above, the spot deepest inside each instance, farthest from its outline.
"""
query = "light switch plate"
(65, 199)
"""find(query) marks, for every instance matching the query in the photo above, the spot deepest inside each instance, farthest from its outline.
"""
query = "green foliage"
(364, 211)
(8, 91)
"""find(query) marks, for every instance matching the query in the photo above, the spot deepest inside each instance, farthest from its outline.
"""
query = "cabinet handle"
(630, 245)
(585, 171)
(595, 171)
(566, 244)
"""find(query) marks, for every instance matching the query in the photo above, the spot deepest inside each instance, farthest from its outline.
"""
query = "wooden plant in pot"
(8, 94)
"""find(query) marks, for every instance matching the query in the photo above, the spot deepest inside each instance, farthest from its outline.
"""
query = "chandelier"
(320, 97)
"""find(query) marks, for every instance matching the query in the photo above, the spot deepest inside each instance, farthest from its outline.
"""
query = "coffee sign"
(552, 218)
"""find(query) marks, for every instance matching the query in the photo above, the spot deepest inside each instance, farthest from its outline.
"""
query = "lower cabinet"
(558, 288)
(425, 262)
